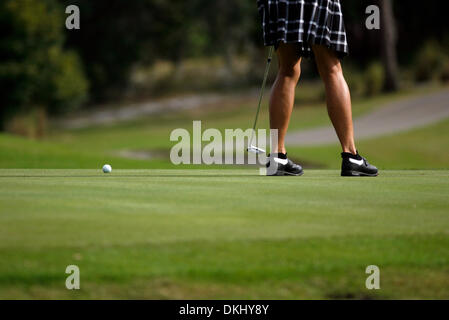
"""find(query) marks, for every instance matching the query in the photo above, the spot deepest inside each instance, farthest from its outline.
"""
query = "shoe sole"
(285, 173)
(358, 174)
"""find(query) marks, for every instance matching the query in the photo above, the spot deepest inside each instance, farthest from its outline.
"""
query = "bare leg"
(283, 92)
(337, 96)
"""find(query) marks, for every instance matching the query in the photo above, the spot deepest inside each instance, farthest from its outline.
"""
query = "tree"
(388, 46)
(35, 71)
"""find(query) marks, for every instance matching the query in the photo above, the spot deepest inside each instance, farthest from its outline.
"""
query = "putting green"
(223, 234)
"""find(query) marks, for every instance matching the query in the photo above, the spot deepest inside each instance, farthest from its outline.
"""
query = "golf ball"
(107, 168)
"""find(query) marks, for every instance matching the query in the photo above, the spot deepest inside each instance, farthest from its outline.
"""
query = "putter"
(253, 148)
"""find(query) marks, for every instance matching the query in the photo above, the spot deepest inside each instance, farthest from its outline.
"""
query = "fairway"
(223, 234)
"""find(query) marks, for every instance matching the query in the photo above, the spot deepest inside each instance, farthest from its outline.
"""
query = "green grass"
(422, 148)
(223, 234)
(89, 148)
(166, 233)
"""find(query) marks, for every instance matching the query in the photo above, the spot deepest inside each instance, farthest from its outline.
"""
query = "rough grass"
(424, 148)
(223, 234)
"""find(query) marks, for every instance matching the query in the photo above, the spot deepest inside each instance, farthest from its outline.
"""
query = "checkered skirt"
(304, 22)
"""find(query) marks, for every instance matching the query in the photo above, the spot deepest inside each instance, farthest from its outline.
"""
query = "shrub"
(35, 71)
(374, 79)
(66, 82)
(430, 62)
(354, 78)
(444, 76)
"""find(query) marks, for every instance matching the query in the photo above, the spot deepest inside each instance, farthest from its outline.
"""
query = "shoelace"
(365, 161)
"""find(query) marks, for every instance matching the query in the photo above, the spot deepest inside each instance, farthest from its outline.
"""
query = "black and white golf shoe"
(356, 166)
(279, 165)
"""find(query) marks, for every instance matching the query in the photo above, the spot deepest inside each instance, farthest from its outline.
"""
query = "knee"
(292, 71)
(330, 70)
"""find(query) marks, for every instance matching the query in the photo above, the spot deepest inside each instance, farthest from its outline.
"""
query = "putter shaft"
(262, 89)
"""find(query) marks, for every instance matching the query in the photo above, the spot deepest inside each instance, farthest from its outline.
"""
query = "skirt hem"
(308, 53)
(304, 22)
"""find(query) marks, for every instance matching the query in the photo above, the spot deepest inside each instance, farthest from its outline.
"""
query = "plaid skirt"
(304, 22)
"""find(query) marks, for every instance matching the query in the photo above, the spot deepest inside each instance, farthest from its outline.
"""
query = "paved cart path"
(394, 117)
(109, 115)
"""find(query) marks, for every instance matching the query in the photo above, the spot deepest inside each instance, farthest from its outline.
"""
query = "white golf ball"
(107, 168)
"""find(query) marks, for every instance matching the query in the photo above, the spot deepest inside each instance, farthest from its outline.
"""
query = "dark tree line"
(43, 64)
(115, 34)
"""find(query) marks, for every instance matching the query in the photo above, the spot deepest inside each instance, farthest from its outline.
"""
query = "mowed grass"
(177, 233)
(422, 148)
(223, 234)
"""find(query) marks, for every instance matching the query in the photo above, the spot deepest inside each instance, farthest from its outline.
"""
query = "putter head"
(254, 149)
